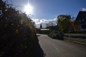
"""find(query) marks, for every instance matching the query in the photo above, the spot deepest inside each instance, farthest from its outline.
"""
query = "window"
(79, 20)
(82, 20)
(0, 12)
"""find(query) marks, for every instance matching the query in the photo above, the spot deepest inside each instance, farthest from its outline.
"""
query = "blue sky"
(49, 9)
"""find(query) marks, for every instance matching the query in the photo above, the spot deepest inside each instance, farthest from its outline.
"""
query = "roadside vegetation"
(66, 24)
(76, 40)
(63, 22)
(17, 33)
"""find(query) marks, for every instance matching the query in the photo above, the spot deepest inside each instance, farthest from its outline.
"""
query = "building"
(81, 18)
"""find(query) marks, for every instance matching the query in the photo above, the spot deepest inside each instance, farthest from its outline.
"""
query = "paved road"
(58, 48)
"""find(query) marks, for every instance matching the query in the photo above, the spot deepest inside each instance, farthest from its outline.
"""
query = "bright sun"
(28, 9)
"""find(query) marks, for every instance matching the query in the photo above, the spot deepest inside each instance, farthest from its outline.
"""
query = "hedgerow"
(17, 34)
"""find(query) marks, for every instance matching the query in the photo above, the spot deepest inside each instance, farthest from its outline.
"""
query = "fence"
(75, 35)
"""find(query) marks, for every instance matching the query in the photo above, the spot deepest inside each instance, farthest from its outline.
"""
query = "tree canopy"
(63, 22)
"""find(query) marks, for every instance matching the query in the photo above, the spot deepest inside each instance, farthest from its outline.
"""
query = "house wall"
(83, 27)
(81, 18)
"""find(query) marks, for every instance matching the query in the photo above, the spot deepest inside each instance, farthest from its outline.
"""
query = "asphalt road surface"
(58, 48)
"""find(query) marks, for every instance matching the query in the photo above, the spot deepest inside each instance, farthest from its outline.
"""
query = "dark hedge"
(17, 34)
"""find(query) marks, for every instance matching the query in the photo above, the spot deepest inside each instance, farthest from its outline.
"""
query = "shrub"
(53, 34)
(17, 35)
(45, 31)
(56, 35)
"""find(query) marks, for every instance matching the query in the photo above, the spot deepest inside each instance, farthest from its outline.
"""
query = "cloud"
(39, 21)
(55, 19)
(44, 22)
(83, 9)
(35, 20)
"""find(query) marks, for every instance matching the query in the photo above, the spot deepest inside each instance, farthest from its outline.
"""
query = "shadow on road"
(39, 52)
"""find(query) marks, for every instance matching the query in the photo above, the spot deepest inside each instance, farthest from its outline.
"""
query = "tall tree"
(40, 26)
(63, 22)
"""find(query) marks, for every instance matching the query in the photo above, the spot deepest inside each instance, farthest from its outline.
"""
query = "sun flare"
(28, 9)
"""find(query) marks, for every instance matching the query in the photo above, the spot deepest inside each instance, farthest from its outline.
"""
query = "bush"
(53, 34)
(45, 31)
(17, 35)
(42, 31)
(56, 35)
(38, 31)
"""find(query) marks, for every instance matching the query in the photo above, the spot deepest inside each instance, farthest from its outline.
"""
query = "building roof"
(81, 14)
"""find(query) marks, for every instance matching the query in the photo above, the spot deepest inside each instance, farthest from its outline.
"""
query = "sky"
(48, 10)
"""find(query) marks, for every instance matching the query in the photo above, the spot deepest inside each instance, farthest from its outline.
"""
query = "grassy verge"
(78, 41)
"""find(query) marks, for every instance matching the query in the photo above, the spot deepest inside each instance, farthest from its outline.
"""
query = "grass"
(78, 41)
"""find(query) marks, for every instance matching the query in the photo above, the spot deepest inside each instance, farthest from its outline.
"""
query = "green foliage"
(45, 31)
(17, 35)
(42, 31)
(64, 22)
(56, 35)
(53, 34)
(38, 31)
